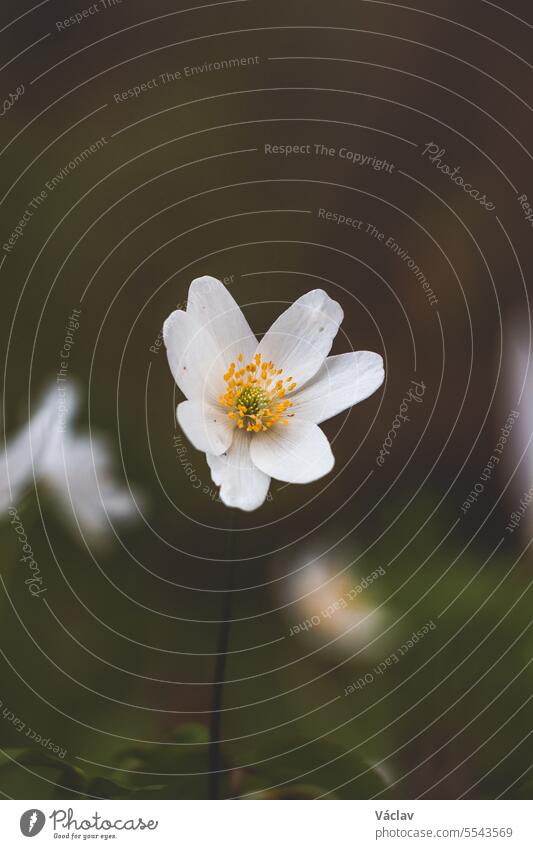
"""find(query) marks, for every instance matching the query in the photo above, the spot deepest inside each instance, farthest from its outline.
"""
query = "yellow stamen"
(254, 394)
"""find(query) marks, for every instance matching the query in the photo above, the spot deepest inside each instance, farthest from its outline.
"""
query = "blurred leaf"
(295, 791)
(191, 732)
(105, 788)
(319, 761)
(69, 779)
(179, 771)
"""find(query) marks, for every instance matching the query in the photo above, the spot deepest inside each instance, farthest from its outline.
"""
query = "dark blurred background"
(116, 667)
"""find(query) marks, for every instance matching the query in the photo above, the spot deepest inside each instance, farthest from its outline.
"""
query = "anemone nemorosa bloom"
(254, 407)
(326, 603)
(20, 453)
(76, 468)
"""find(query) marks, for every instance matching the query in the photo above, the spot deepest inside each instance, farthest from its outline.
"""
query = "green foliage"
(179, 770)
(294, 766)
(28, 767)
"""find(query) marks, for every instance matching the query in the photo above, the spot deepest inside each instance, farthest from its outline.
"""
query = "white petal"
(300, 339)
(192, 353)
(27, 451)
(211, 306)
(340, 383)
(81, 480)
(208, 428)
(202, 342)
(297, 453)
(241, 484)
(518, 385)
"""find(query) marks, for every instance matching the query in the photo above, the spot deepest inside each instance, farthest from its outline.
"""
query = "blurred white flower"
(332, 607)
(22, 453)
(77, 469)
(254, 408)
(515, 425)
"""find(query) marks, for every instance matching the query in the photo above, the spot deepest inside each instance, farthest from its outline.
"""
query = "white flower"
(515, 427)
(22, 453)
(76, 468)
(332, 606)
(254, 408)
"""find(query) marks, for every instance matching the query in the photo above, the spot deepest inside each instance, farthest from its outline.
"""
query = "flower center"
(255, 394)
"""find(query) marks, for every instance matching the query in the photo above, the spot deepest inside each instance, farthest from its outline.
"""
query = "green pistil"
(253, 399)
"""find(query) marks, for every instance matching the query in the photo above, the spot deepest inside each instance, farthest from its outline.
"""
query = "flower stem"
(218, 683)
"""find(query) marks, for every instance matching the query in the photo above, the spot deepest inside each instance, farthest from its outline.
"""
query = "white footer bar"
(267, 824)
